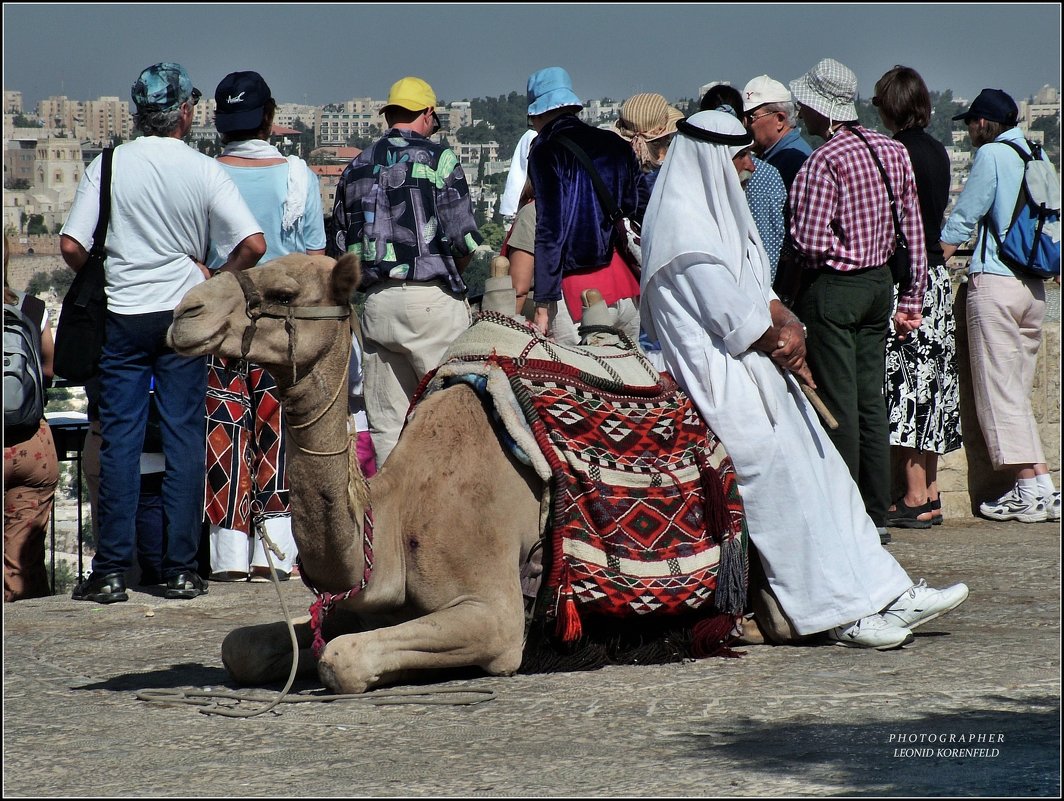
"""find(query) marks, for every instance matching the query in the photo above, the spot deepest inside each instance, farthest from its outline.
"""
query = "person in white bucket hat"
(842, 229)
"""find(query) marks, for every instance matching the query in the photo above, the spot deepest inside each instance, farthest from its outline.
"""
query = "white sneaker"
(1012, 506)
(921, 604)
(1052, 504)
(873, 631)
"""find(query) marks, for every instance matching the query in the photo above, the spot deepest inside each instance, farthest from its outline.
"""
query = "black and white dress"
(923, 397)
(923, 400)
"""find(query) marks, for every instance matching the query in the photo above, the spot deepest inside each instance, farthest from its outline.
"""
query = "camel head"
(283, 314)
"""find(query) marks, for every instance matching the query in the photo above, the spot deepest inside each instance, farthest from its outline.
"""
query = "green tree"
(22, 121)
(1051, 127)
(361, 142)
(509, 115)
(40, 283)
(306, 138)
(493, 234)
(478, 271)
(36, 225)
(943, 109)
(17, 185)
(476, 135)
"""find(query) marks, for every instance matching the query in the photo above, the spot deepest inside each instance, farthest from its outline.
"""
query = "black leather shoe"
(187, 584)
(105, 588)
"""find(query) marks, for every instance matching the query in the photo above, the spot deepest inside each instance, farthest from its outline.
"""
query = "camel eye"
(281, 298)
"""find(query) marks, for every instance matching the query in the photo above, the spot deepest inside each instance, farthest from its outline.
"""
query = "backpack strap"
(1021, 197)
(34, 308)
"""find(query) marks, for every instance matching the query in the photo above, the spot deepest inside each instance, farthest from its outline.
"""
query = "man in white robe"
(739, 354)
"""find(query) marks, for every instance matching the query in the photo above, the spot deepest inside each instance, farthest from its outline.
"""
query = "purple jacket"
(572, 230)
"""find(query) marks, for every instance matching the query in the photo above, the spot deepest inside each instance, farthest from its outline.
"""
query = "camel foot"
(262, 654)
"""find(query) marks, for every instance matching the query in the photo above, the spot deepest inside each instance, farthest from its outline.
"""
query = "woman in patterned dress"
(921, 377)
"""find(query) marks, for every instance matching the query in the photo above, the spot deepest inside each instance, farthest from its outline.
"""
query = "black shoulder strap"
(605, 198)
(1019, 150)
(34, 308)
(898, 235)
(99, 236)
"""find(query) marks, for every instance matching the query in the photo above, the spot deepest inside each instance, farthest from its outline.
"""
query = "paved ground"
(778, 722)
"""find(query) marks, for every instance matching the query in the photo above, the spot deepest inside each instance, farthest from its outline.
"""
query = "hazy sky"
(321, 53)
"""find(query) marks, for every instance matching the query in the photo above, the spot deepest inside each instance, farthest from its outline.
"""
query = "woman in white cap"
(739, 353)
(246, 478)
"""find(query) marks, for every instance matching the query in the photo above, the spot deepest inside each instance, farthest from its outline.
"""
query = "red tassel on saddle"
(718, 519)
(568, 627)
(712, 635)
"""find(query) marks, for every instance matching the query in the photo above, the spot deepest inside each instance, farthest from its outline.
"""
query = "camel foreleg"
(468, 631)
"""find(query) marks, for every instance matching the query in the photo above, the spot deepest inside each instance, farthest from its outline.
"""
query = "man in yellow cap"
(403, 206)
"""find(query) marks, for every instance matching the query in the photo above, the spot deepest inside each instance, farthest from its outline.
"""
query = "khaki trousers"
(407, 327)
(1005, 317)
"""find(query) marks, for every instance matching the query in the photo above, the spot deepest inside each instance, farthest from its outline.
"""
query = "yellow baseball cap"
(412, 94)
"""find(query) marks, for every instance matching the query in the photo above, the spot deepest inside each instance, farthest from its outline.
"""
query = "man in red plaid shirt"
(843, 229)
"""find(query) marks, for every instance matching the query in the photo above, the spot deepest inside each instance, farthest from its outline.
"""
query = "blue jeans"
(135, 350)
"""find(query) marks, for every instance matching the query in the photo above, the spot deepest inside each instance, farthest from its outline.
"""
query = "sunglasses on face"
(752, 118)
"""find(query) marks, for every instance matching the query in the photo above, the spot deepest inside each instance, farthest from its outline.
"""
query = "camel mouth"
(179, 340)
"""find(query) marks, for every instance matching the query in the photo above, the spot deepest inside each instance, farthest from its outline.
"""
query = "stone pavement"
(780, 721)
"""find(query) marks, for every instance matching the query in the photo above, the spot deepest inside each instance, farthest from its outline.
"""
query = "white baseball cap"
(762, 90)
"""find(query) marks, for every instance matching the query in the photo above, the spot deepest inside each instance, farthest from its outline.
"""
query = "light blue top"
(767, 195)
(792, 140)
(993, 181)
(264, 189)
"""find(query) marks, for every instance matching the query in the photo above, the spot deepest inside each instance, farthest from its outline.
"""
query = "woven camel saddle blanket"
(642, 514)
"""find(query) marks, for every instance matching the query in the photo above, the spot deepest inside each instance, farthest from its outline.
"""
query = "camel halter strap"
(255, 307)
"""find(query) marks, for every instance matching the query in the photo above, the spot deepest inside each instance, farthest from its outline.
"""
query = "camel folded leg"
(469, 631)
(262, 654)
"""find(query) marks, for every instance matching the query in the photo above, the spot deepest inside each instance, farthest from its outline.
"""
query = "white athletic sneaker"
(873, 631)
(1052, 504)
(1011, 506)
(921, 604)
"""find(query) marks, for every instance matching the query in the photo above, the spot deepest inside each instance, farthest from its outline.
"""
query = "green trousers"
(847, 316)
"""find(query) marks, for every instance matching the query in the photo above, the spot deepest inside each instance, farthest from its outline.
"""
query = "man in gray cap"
(843, 232)
(574, 243)
(1005, 312)
(171, 206)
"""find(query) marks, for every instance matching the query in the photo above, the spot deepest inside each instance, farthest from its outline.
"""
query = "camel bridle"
(255, 307)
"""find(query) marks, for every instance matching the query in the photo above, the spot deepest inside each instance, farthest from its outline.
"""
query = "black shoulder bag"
(899, 262)
(79, 333)
(626, 230)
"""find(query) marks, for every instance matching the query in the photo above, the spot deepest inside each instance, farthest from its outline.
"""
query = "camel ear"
(345, 277)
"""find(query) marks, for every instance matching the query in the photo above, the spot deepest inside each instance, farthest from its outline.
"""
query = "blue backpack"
(1031, 245)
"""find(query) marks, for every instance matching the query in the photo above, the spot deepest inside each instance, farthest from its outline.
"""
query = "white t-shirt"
(169, 205)
(515, 179)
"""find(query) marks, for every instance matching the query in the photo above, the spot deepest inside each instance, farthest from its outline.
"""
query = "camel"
(445, 586)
